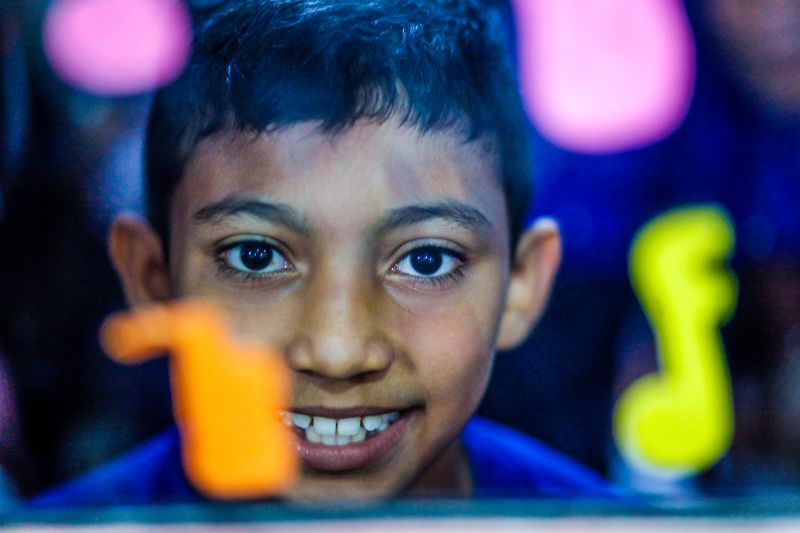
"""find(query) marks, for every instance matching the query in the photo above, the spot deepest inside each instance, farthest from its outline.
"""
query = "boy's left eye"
(254, 257)
(427, 262)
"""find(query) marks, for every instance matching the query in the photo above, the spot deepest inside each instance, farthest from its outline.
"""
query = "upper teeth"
(338, 432)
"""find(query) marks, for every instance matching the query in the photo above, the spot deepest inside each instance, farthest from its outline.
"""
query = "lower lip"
(353, 456)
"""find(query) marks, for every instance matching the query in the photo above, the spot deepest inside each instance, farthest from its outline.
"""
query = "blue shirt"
(504, 462)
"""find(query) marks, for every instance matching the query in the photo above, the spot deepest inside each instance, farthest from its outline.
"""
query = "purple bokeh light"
(603, 76)
(117, 47)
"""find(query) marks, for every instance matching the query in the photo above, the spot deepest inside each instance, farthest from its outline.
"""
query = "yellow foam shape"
(226, 397)
(679, 422)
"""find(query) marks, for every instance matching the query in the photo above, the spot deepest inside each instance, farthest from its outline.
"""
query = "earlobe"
(533, 272)
(137, 255)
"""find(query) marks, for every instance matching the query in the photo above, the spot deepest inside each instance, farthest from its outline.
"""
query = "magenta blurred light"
(603, 76)
(117, 47)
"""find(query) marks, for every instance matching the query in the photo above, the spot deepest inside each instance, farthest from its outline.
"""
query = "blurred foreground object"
(679, 422)
(601, 76)
(226, 397)
(117, 47)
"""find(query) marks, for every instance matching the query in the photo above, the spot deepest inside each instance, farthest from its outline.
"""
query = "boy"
(348, 180)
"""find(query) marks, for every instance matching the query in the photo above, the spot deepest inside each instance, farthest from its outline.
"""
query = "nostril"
(353, 368)
(338, 356)
(299, 356)
(380, 355)
(368, 376)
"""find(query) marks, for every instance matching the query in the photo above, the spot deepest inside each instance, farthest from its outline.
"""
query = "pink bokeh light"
(117, 47)
(603, 76)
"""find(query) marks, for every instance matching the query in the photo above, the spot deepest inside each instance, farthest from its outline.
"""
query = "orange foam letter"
(226, 397)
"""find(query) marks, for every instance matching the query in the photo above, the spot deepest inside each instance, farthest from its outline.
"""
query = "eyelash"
(225, 269)
(426, 282)
(443, 281)
(435, 282)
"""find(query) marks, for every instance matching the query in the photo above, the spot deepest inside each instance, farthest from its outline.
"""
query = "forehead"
(350, 177)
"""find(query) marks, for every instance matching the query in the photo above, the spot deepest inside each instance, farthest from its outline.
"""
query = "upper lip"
(344, 412)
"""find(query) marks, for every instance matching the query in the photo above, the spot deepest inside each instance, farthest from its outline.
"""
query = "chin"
(334, 488)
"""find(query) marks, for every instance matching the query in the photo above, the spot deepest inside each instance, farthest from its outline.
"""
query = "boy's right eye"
(253, 258)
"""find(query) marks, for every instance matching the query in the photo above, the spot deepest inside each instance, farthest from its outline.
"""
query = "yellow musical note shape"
(679, 422)
(226, 397)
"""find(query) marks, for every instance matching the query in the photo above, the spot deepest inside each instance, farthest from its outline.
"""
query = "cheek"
(454, 367)
(450, 347)
(254, 316)
(267, 321)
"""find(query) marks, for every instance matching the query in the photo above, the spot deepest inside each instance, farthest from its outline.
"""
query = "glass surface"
(652, 316)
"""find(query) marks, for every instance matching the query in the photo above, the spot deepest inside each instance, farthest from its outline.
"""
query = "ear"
(532, 274)
(138, 258)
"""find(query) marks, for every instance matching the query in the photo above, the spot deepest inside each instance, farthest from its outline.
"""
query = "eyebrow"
(449, 211)
(233, 206)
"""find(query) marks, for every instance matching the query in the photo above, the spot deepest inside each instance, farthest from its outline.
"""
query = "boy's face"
(378, 262)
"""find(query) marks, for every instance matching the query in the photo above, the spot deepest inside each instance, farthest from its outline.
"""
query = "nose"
(339, 337)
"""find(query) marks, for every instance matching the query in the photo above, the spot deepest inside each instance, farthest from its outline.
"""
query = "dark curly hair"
(262, 65)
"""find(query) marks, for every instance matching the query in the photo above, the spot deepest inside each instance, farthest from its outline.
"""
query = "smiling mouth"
(348, 439)
(339, 431)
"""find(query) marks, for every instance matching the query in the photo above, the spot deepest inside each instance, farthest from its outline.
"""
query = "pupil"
(426, 261)
(256, 256)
